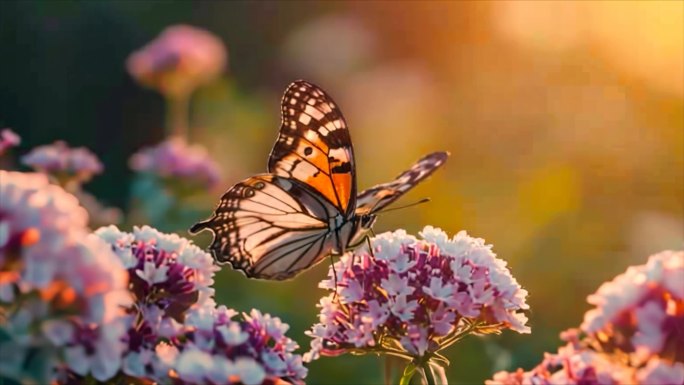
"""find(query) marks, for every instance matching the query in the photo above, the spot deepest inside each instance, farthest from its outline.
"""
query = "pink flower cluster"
(414, 297)
(641, 312)
(8, 139)
(56, 282)
(632, 336)
(175, 159)
(178, 334)
(168, 276)
(215, 348)
(178, 60)
(64, 162)
(574, 363)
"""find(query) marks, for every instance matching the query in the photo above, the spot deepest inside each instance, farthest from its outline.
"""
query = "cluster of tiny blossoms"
(413, 297)
(175, 160)
(178, 335)
(178, 60)
(632, 336)
(168, 276)
(65, 163)
(219, 347)
(58, 284)
(641, 312)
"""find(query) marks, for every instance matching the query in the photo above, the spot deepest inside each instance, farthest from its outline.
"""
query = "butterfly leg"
(370, 245)
(332, 264)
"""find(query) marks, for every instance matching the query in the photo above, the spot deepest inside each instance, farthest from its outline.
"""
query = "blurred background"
(565, 121)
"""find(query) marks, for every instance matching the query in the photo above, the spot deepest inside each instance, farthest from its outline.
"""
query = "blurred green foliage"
(567, 136)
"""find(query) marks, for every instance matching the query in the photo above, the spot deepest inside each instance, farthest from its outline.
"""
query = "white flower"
(249, 371)
(403, 309)
(352, 292)
(397, 285)
(152, 273)
(232, 334)
(193, 365)
(439, 290)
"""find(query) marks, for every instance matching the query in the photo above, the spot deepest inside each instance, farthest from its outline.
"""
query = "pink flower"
(642, 310)
(168, 276)
(8, 139)
(63, 162)
(661, 372)
(174, 159)
(178, 60)
(218, 347)
(406, 297)
(57, 281)
(632, 336)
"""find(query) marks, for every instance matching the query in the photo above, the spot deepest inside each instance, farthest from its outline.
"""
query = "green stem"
(178, 115)
(388, 370)
(427, 372)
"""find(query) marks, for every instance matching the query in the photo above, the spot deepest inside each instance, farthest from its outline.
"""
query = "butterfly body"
(274, 225)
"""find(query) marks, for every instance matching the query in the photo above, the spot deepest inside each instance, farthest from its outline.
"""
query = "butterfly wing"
(270, 227)
(314, 146)
(377, 197)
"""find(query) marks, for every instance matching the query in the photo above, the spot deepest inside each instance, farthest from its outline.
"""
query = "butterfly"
(275, 225)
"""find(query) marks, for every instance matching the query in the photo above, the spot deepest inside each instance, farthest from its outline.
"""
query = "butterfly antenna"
(424, 200)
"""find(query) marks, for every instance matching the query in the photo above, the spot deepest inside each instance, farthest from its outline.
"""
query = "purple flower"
(217, 347)
(167, 272)
(55, 276)
(168, 277)
(413, 297)
(8, 139)
(175, 160)
(178, 60)
(65, 163)
(632, 336)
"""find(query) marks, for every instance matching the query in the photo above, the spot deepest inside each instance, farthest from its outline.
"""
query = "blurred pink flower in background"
(67, 164)
(8, 139)
(55, 279)
(175, 159)
(414, 297)
(641, 312)
(179, 60)
(632, 336)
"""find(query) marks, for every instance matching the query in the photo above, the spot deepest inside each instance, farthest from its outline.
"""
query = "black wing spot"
(343, 168)
(308, 151)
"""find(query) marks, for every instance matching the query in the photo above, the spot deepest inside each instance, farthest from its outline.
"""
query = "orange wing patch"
(314, 145)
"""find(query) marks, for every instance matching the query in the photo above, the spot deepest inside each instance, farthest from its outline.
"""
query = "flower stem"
(427, 372)
(178, 115)
(388, 370)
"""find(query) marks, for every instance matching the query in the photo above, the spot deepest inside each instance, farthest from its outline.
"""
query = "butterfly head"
(367, 221)
(362, 226)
